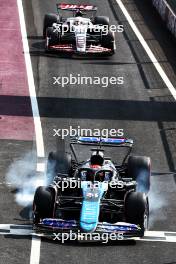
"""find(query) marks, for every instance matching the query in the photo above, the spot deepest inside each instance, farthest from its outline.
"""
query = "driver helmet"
(79, 22)
(78, 13)
(98, 174)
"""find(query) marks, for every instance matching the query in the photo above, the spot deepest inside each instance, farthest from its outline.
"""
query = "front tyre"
(108, 41)
(137, 210)
(44, 200)
(52, 37)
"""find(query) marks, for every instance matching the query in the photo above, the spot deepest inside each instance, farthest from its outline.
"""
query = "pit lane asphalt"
(143, 107)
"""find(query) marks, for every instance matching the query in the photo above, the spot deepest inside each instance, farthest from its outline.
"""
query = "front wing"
(49, 227)
(69, 48)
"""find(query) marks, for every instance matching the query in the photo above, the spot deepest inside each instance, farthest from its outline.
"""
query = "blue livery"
(92, 195)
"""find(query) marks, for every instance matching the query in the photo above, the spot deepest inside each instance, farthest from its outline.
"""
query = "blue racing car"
(94, 193)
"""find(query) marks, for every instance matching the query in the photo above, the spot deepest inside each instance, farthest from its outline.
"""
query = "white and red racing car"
(78, 33)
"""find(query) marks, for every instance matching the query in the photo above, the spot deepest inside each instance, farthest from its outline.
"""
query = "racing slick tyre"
(52, 37)
(58, 163)
(139, 168)
(48, 21)
(44, 200)
(101, 20)
(137, 210)
(108, 41)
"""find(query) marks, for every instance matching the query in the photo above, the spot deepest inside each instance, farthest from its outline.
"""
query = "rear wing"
(100, 141)
(72, 7)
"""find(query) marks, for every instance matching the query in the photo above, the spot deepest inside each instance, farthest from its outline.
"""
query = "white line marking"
(148, 50)
(36, 242)
(31, 84)
(171, 239)
(35, 250)
(41, 167)
(5, 226)
(27, 230)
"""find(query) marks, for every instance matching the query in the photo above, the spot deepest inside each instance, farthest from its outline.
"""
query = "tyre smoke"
(157, 204)
(23, 177)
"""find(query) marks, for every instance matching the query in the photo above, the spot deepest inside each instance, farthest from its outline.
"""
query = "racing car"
(78, 34)
(109, 196)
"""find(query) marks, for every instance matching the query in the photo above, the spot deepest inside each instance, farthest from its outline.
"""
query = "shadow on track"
(90, 108)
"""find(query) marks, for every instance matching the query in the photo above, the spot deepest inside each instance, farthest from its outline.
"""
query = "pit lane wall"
(167, 13)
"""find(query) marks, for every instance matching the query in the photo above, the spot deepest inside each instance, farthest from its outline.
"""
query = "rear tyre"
(101, 20)
(137, 210)
(58, 163)
(139, 169)
(48, 21)
(44, 200)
